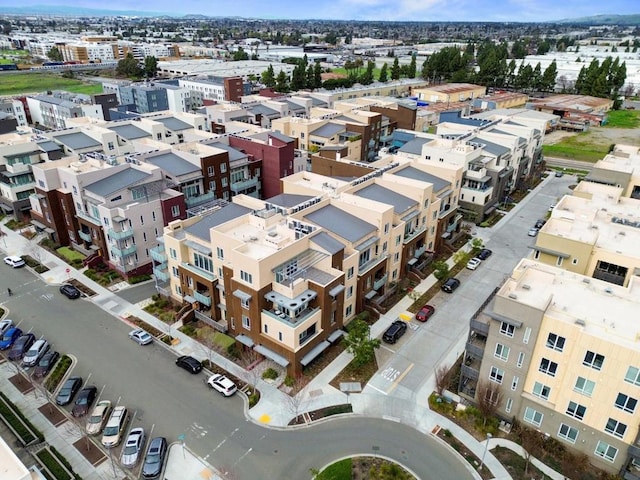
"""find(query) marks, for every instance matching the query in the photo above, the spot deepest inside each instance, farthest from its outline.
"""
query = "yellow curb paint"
(264, 418)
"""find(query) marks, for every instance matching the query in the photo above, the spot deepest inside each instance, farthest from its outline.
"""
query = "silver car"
(132, 447)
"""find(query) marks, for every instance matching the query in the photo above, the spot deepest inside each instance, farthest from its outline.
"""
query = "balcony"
(303, 316)
(444, 211)
(193, 201)
(86, 236)
(381, 282)
(472, 348)
(476, 174)
(123, 252)
(198, 271)
(414, 233)
(161, 274)
(244, 184)
(366, 266)
(159, 254)
(89, 218)
(122, 235)
(202, 298)
(419, 251)
(219, 325)
(479, 327)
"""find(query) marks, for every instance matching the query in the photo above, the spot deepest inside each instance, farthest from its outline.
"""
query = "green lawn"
(17, 53)
(579, 147)
(376, 71)
(338, 471)
(623, 119)
(16, 83)
(6, 60)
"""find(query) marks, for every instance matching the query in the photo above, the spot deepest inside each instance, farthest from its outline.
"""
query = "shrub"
(58, 372)
(139, 279)
(64, 462)
(270, 374)
(289, 381)
(253, 399)
(53, 465)
(14, 412)
(189, 330)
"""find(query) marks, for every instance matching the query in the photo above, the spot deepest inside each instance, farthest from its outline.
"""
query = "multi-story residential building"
(218, 89)
(449, 92)
(567, 368)
(52, 111)
(8, 123)
(15, 108)
(144, 97)
(620, 168)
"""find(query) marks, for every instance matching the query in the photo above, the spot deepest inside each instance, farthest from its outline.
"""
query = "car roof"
(39, 343)
(157, 442)
(14, 257)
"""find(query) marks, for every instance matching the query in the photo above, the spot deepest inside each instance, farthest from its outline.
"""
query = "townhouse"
(52, 110)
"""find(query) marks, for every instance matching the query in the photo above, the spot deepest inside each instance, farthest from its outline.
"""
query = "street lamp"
(486, 447)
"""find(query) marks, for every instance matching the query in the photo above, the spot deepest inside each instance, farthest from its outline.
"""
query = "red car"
(424, 313)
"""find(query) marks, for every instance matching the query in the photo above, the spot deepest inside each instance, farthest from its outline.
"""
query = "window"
(175, 271)
(633, 376)
(396, 257)
(584, 386)
(555, 342)
(211, 170)
(533, 416)
(307, 334)
(386, 228)
(223, 168)
(153, 216)
(593, 360)
(520, 359)
(527, 335)
(574, 261)
(350, 273)
(542, 391)
(606, 451)
(514, 383)
(246, 277)
(173, 253)
(548, 367)
(576, 410)
(502, 352)
(175, 210)
(559, 261)
(349, 292)
(626, 403)
(615, 428)
(220, 253)
(212, 185)
(509, 404)
(568, 433)
(266, 328)
(280, 336)
(397, 240)
(347, 312)
(507, 329)
(203, 262)
(246, 322)
(496, 375)
(536, 254)
(224, 182)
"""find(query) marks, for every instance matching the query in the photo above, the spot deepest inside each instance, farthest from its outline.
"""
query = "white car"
(533, 232)
(5, 325)
(14, 261)
(35, 353)
(98, 417)
(140, 336)
(473, 263)
(132, 447)
(222, 384)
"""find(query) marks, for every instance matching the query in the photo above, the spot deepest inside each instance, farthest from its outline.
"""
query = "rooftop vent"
(513, 296)
(579, 321)
(608, 290)
(586, 280)
(526, 287)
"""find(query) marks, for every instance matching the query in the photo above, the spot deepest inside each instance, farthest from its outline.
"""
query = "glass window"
(520, 359)
(175, 210)
(568, 433)
(502, 352)
(584, 386)
(593, 360)
(626, 403)
(633, 376)
(533, 416)
(514, 382)
(548, 367)
(509, 404)
(246, 277)
(350, 273)
(542, 391)
(606, 451)
(496, 375)
(202, 261)
(220, 253)
(246, 322)
(527, 335)
(223, 167)
(615, 428)
(555, 342)
(507, 329)
(576, 410)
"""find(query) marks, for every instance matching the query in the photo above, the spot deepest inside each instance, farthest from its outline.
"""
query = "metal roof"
(328, 130)
(173, 124)
(416, 174)
(77, 141)
(343, 224)
(218, 217)
(381, 194)
(327, 242)
(117, 181)
(234, 154)
(263, 110)
(130, 132)
(281, 137)
(288, 200)
(492, 148)
(48, 146)
(173, 164)
(414, 146)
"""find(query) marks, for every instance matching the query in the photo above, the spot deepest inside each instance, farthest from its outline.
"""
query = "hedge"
(58, 372)
(53, 465)
(20, 424)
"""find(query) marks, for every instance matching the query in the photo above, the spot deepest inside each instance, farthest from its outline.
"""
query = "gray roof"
(343, 224)
(327, 242)
(288, 200)
(281, 137)
(218, 217)
(296, 107)
(414, 146)
(316, 102)
(173, 124)
(328, 130)
(493, 148)
(381, 194)
(48, 146)
(344, 118)
(233, 153)
(77, 141)
(416, 174)
(264, 110)
(130, 132)
(173, 164)
(116, 182)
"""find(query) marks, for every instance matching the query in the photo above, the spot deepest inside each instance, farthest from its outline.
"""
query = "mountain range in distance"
(75, 11)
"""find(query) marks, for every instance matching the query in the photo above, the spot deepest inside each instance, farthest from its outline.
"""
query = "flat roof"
(343, 224)
(327, 242)
(172, 123)
(381, 194)
(130, 132)
(218, 217)
(417, 174)
(77, 141)
(328, 130)
(173, 164)
(288, 200)
(117, 181)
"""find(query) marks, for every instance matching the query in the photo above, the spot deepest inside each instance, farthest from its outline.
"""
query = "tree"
(383, 77)
(269, 77)
(150, 66)
(55, 54)
(310, 78)
(240, 54)
(488, 398)
(441, 270)
(317, 75)
(129, 67)
(359, 343)
(411, 73)
(443, 377)
(395, 69)
(549, 77)
(367, 77)
(282, 82)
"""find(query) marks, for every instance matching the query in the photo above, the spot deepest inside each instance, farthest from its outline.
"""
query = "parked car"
(154, 459)
(70, 291)
(9, 338)
(222, 384)
(69, 390)
(450, 285)
(132, 447)
(98, 418)
(112, 434)
(21, 346)
(559, 173)
(140, 336)
(533, 232)
(424, 313)
(189, 363)
(473, 263)
(46, 363)
(395, 331)
(552, 206)
(35, 353)
(484, 254)
(540, 223)
(14, 261)
(85, 399)
(5, 325)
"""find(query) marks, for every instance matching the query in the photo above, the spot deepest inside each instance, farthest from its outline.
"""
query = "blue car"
(9, 337)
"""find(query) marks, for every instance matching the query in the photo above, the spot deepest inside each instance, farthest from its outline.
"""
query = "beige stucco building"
(449, 92)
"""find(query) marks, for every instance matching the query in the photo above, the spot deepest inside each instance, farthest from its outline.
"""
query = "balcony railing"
(474, 350)
(381, 282)
(198, 271)
(419, 251)
(201, 298)
(244, 184)
(219, 325)
(193, 201)
(363, 268)
(123, 252)
(122, 235)
(161, 274)
(469, 372)
(414, 233)
(89, 218)
(159, 254)
(85, 236)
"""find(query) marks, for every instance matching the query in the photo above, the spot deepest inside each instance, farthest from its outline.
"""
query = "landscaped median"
(21, 427)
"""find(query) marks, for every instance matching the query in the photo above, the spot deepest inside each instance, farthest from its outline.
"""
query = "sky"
(390, 10)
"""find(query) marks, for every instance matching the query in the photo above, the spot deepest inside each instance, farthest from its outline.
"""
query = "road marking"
(243, 455)
(399, 379)
(47, 296)
(377, 389)
(387, 348)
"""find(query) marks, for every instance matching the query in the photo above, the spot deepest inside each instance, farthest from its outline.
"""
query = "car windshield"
(82, 401)
(130, 449)
(155, 458)
(95, 419)
(7, 337)
(65, 390)
(110, 431)
(45, 362)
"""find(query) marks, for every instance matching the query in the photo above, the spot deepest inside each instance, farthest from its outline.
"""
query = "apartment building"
(214, 88)
(14, 108)
(566, 368)
(393, 88)
(620, 168)
(52, 111)
(449, 92)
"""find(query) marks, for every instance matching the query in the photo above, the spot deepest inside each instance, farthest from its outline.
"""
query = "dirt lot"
(600, 136)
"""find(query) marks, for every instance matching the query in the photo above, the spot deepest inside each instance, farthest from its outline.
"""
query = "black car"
(84, 401)
(190, 364)
(395, 331)
(154, 459)
(484, 254)
(70, 291)
(69, 390)
(21, 346)
(450, 285)
(45, 364)
(540, 223)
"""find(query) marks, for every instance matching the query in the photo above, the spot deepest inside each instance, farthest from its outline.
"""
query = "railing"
(198, 271)
(419, 251)
(474, 350)
(469, 372)
(89, 218)
(378, 284)
(120, 235)
(161, 274)
(244, 184)
(371, 263)
(193, 201)
(219, 325)
(476, 174)
(479, 327)
(85, 236)
(201, 298)
(123, 252)
(410, 236)
(159, 254)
